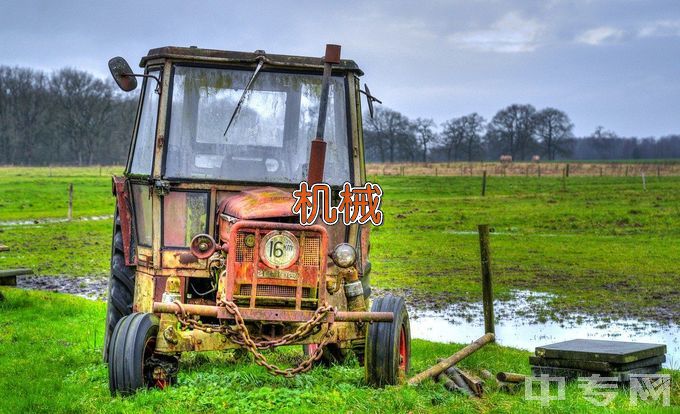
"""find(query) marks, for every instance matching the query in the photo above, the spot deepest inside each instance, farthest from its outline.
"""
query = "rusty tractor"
(206, 252)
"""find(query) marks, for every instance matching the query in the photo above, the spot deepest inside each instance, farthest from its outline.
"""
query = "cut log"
(472, 381)
(459, 381)
(437, 369)
(510, 377)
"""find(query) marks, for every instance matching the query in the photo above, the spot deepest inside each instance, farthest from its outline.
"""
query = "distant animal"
(536, 158)
(506, 159)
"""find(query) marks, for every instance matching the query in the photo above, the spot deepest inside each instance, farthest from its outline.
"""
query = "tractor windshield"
(269, 138)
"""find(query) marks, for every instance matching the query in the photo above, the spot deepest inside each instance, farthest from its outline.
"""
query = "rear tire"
(388, 344)
(121, 285)
(131, 356)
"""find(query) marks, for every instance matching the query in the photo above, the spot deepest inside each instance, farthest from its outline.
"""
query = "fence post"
(70, 202)
(484, 183)
(487, 290)
(567, 170)
(644, 182)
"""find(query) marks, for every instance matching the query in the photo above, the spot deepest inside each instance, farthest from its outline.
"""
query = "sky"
(609, 63)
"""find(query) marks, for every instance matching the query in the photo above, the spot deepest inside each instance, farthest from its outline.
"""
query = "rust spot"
(186, 258)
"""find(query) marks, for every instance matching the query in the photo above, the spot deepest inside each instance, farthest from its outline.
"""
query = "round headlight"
(344, 255)
(279, 249)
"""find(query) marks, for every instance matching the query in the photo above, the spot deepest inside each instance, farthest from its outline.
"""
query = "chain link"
(241, 336)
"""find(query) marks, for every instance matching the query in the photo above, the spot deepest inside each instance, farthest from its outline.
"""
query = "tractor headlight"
(344, 255)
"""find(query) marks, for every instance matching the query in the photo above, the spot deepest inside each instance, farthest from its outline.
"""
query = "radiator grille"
(274, 291)
(310, 253)
(243, 252)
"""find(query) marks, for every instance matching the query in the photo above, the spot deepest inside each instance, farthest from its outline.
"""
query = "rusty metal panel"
(144, 288)
(181, 259)
(125, 216)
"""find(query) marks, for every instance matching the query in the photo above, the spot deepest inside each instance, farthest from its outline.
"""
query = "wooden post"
(70, 202)
(600, 171)
(626, 171)
(644, 182)
(484, 183)
(658, 171)
(567, 171)
(539, 170)
(437, 369)
(487, 290)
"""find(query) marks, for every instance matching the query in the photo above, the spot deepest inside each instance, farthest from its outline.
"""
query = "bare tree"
(86, 117)
(554, 131)
(425, 135)
(388, 133)
(511, 131)
(453, 137)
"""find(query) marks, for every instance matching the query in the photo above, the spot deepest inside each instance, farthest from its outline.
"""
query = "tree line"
(520, 131)
(65, 117)
(74, 118)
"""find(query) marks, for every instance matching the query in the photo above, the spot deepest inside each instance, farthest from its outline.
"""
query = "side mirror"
(122, 74)
(370, 98)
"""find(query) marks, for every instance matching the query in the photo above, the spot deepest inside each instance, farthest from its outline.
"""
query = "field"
(603, 245)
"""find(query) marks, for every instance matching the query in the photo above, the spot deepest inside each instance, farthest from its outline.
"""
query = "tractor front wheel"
(388, 344)
(132, 362)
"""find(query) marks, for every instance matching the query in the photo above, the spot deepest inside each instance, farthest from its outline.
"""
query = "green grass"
(50, 361)
(601, 244)
(36, 193)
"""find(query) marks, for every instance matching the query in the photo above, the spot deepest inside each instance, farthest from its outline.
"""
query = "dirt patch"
(93, 288)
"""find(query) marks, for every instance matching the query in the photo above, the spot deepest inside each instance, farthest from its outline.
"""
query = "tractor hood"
(258, 203)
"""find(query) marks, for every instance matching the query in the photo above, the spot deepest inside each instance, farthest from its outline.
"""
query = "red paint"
(402, 349)
(125, 214)
(258, 203)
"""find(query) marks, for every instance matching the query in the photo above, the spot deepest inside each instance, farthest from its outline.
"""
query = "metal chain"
(241, 336)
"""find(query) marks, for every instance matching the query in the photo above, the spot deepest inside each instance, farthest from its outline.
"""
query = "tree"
(464, 135)
(87, 114)
(603, 142)
(389, 133)
(511, 131)
(424, 134)
(554, 132)
(453, 137)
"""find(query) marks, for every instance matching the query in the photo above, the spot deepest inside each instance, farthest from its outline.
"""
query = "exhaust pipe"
(317, 153)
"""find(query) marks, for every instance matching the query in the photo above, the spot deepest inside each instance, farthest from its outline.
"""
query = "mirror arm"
(158, 81)
(371, 97)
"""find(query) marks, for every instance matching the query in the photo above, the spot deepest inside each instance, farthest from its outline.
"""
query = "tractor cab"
(205, 243)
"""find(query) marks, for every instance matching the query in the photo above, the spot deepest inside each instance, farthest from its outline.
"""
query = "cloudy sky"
(610, 63)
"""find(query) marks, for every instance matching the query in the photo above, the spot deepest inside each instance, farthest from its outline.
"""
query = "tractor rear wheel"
(121, 285)
(132, 362)
(388, 344)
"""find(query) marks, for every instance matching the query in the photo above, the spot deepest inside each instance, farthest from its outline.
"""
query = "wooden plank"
(600, 350)
(15, 272)
(597, 366)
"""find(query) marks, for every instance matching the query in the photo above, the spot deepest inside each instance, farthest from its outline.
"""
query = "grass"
(597, 242)
(601, 244)
(50, 361)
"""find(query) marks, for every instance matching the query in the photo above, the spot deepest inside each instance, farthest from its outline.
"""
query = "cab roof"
(195, 54)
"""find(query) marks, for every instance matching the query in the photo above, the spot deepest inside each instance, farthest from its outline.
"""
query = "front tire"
(388, 344)
(132, 362)
(121, 285)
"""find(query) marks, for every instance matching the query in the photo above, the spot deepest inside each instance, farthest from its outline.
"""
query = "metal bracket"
(161, 187)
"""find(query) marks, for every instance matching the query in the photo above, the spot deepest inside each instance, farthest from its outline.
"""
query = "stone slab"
(600, 350)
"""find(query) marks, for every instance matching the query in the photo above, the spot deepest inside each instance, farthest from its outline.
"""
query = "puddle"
(93, 288)
(456, 324)
(52, 220)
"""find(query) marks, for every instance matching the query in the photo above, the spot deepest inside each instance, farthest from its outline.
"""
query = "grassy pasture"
(50, 362)
(602, 244)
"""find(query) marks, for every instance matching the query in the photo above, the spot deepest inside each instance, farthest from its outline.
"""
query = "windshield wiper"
(245, 92)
